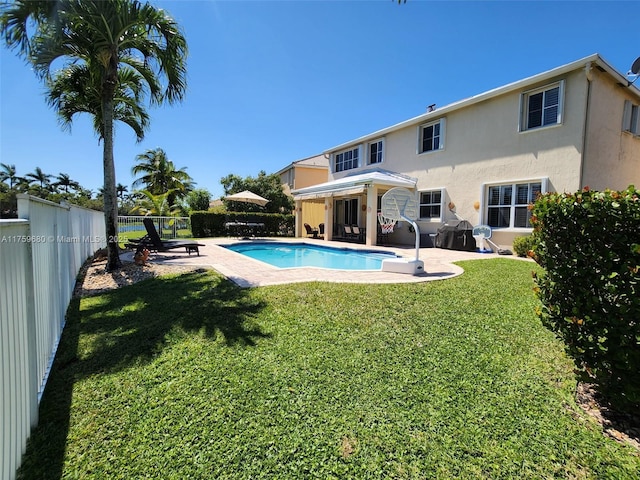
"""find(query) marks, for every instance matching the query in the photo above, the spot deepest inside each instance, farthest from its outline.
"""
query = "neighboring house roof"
(353, 184)
(317, 161)
(586, 62)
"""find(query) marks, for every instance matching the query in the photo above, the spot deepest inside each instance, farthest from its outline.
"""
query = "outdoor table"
(244, 229)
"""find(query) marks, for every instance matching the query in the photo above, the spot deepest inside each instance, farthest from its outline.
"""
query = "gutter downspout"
(589, 76)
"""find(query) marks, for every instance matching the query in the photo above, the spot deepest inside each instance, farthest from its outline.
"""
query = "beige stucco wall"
(483, 146)
(612, 157)
(308, 176)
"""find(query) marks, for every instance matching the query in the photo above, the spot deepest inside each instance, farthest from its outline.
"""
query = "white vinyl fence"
(40, 256)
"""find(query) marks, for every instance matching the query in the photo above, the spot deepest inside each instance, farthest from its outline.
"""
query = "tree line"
(161, 189)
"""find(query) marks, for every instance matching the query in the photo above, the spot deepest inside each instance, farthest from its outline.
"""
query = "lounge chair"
(311, 232)
(152, 241)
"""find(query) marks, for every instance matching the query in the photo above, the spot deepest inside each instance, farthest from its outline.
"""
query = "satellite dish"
(635, 68)
(399, 204)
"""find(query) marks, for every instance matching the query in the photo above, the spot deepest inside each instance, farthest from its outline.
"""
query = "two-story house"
(485, 158)
(304, 173)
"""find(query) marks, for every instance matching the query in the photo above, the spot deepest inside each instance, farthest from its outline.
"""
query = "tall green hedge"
(589, 246)
(210, 224)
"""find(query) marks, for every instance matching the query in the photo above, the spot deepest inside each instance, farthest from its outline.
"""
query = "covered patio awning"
(354, 184)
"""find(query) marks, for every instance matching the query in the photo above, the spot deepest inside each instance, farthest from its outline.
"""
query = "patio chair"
(311, 232)
(154, 242)
(348, 232)
(358, 232)
(321, 228)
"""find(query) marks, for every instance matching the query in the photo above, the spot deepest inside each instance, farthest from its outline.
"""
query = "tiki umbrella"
(247, 196)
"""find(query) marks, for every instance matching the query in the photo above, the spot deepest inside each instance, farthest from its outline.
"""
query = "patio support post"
(328, 218)
(372, 215)
(298, 219)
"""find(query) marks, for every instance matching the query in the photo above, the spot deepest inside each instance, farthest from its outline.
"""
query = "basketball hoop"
(386, 224)
(401, 204)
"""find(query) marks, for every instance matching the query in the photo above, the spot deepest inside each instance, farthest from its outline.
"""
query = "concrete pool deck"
(247, 272)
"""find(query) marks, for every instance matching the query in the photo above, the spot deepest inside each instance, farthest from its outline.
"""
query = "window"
(508, 204)
(347, 160)
(431, 136)
(542, 107)
(346, 211)
(375, 152)
(631, 118)
(431, 204)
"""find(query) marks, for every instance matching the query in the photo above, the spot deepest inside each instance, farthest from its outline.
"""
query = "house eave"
(354, 184)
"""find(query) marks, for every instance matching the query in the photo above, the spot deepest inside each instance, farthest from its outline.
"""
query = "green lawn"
(191, 377)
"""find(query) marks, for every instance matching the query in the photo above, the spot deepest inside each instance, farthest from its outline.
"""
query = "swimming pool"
(292, 255)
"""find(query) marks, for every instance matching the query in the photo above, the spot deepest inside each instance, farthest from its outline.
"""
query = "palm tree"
(38, 176)
(65, 181)
(121, 189)
(9, 173)
(155, 204)
(159, 175)
(113, 52)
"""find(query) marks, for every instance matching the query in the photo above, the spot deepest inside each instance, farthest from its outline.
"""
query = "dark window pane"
(535, 111)
(494, 196)
(522, 194)
(498, 217)
(536, 188)
(551, 115)
(535, 101)
(551, 97)
(522, 217)
(506, 195)
(427, 139)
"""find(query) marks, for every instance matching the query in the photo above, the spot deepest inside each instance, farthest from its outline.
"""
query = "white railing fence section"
(172, 227)
(40, 256)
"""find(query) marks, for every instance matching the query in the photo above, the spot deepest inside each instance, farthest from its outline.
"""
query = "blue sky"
(271, 82)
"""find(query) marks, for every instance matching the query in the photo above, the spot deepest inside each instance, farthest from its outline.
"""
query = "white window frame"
(442, 193)
(525, 104)
(512, 206)
(380, 147)
(631, 118)
(339, 157)
(441, 136)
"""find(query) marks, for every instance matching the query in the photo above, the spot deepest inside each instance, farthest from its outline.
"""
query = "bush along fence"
(41, 253)
(209, 224)
(589, 246)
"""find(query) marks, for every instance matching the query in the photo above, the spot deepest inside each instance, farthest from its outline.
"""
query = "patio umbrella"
(247, 196)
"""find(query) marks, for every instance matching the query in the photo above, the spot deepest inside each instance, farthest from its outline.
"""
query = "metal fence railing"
(40, 256)
(168, 227)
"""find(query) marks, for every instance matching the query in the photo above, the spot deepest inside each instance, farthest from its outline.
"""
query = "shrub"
(589, 246)
(522, 245)
(211, 224)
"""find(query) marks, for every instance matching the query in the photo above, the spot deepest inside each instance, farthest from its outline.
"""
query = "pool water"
(292, 255)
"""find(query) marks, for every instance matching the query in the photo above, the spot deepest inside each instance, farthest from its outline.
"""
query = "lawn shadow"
(128, 327)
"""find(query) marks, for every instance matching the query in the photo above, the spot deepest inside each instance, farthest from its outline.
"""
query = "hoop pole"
(417, 231)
